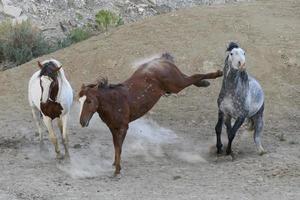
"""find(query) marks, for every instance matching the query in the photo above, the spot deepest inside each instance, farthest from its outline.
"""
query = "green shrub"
(78, 34)
(105, 19)
(21, 42)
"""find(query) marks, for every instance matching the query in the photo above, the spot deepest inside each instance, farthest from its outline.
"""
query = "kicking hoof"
(219, 73)
(202, 83)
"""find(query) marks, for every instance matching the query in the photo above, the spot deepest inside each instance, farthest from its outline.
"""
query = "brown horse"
(118, 105)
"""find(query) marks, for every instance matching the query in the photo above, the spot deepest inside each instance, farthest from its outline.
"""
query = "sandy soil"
(170, 153)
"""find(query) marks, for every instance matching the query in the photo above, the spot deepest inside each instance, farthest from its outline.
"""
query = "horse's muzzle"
(84, 123)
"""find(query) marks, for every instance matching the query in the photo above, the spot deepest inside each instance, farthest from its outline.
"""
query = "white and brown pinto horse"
(50, 96)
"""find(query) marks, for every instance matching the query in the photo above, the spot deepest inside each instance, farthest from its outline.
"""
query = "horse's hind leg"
(218, 130)
(62, 123)
(37, 118)
(48, 123)
(204, 83)
(178, 82)
(258, 128)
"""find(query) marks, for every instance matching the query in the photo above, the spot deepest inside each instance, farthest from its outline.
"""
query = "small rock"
(12, 11)
(176, 177)
(77, 146)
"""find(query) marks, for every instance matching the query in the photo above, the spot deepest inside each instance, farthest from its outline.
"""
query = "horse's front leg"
(37, 118)
(62, 123)
(118, 139)
(218, 130)
(48, 123)
(232, 132)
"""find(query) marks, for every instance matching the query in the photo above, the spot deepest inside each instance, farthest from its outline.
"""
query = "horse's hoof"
(117, 176)
(219, 73)
(202, 83)
(261, 152)
(59, 156)
(233, 156)
(219, 151)
(228, 152)
(67, 157)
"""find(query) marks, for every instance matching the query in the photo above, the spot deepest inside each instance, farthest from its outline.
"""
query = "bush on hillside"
(78, 34)
(105, 19)
(21, 42)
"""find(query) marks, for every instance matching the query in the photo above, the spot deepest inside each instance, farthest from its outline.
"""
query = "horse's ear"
(40, 64)
(57, 69)
(82, 86)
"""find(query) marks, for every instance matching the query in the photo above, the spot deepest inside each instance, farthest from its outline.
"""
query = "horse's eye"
(88, 101)
(231, 54)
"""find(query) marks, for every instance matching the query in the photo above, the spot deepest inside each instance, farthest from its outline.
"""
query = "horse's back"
(256, 96)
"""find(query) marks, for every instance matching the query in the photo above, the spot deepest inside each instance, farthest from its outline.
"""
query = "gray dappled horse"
(241, 97)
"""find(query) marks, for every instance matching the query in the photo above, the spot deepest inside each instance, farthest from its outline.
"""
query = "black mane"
(231, 46)
(168, 57)
(103, 84)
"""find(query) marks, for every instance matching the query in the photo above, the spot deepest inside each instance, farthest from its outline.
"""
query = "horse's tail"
(168, 57)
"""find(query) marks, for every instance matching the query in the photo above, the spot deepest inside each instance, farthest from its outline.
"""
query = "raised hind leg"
(48, 123)
(62, 124)
(258, 129)
(178, 82)
(37, 118)
(218, 130)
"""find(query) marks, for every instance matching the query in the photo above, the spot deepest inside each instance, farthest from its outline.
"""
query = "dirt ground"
(170, 153)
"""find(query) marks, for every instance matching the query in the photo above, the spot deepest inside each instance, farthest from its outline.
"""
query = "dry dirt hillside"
(170, 153)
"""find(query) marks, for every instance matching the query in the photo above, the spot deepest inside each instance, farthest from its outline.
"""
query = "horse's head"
(48, 76)
(236, 57)
(88, 103)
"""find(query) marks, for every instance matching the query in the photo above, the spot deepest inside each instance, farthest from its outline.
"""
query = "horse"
(241, 98)
(120, 104)
(50, 96)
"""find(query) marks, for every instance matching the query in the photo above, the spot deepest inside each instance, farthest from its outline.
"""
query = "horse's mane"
(231, 46)
(168, 57)
(103, 84)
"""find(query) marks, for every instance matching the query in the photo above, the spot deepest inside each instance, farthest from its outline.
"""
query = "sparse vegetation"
(106, 19)
(21, 42)
(78, 34)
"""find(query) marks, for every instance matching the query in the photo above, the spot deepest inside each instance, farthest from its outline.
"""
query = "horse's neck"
(107, 97)
(235, 81)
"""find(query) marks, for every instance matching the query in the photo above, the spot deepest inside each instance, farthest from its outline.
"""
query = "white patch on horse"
(237, 57)
(45, 83)
(227, 105)
(81, 100)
